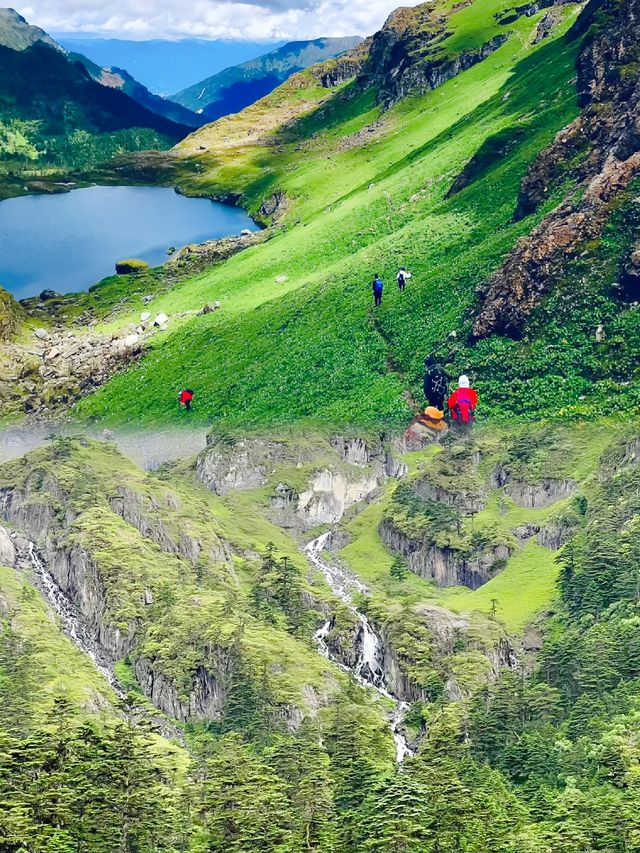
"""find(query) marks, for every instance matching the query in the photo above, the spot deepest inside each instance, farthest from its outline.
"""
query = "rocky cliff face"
(605, 140)
(407, 55)
(445, 565)
(336, 476)
(42, 509)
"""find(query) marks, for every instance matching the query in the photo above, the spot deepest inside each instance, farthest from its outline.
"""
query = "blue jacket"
(377, 285)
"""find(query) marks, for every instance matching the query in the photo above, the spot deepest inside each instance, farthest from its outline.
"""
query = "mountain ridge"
(238, 87)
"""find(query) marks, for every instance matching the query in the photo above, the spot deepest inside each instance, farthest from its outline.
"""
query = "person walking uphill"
(377, 287)
(462, 403)
(435, 383)
(402, 278)
(185, 398)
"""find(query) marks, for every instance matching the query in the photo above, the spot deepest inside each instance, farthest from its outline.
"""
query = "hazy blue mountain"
(119, 78)
(236, 88)
(164, 66)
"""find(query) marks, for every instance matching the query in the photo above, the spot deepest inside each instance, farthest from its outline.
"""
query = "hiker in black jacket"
(436, 383)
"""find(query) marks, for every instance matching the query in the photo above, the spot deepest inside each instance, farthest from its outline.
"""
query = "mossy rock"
(11, 316)
(131, 266)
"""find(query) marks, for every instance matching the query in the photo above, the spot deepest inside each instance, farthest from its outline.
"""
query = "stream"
(71, 620)
(369, 669)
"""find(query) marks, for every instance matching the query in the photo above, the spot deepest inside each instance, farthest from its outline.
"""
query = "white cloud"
(251, 21)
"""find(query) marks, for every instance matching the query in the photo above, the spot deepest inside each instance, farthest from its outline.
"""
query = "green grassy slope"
(527, 585)
(311, 347)
(198, 607)
(62, 670)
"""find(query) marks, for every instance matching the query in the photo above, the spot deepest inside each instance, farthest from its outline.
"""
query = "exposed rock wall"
(406, 55)
(143, 513)
(206, 699)
(349, 471)
(76, 574)
(445, 566)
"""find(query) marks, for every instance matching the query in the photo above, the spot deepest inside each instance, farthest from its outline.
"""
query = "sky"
(226, 19)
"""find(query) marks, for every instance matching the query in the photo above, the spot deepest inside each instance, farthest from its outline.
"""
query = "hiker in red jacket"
(185, 398)
(462, 403)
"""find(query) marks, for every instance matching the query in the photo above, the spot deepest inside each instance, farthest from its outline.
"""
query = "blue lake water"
(70, 241)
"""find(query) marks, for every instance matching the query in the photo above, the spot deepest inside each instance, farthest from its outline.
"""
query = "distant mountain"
(165, 66)
(60, 114)
(119, 78)
(236, 88)
(17, 34)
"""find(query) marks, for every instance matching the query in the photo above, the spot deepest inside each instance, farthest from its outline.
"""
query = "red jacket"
(186, 396)
(462, 404)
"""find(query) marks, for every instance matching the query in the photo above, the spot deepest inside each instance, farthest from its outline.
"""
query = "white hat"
(463, 382)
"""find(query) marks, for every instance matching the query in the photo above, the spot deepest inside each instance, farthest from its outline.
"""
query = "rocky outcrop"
(245, 464)
(406, 55)
(7, 549)
(467, 502)
(450, 634)
(341, 71)
(10, 316)
(147, 516)
(274, 207)
(355, 475)
(205, 701)
(328, 496)
(331, 493)
(547, 25)
(58, 367)
(605, 138)
(528, 9)
(199, 256)
(446, 566)
(359, 451)
(535, 495)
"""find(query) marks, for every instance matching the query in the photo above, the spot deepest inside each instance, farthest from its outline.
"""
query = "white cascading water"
(70, 619)
(369, 670)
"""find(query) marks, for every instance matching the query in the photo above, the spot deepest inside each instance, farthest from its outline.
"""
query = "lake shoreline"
(68, 240)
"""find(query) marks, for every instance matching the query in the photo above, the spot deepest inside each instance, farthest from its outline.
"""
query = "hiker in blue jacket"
(377, 286)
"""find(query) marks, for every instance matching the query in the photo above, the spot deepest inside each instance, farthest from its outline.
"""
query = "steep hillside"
(434, 182)
(233, 89)
(366, 189)
(503, 666)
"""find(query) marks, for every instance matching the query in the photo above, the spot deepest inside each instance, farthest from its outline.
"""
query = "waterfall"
(71, 620)
(369, 667)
